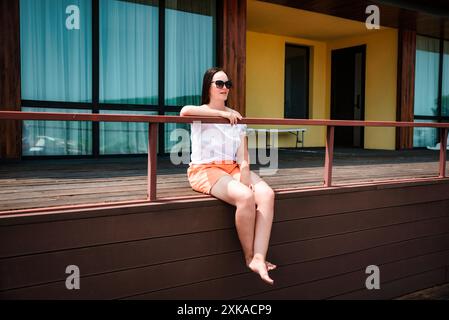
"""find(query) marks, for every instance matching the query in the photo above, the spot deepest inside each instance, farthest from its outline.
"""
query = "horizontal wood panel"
(326, 288)
(128, 282)
(309, 271)
(103, 258)
(182, 272)
(191, 248)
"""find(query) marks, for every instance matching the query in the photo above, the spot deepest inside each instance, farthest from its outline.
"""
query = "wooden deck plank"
(42, 183)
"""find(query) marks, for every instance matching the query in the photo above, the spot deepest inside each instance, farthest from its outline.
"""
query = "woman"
(220, 167)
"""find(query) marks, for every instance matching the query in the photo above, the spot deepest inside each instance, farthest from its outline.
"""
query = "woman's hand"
(236, 112)
(232, 115)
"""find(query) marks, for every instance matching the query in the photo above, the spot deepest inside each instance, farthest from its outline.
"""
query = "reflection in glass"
(56, 138)
(425, 137)
(124, 137)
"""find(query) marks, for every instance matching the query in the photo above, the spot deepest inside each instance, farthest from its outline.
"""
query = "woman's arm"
(243, 161)
(200, 111)
(205, 111)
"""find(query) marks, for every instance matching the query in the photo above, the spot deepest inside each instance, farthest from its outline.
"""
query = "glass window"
(124, 137)
(445, 92)
(426, 76)
(56, 50)
(56, 138)
(129, 52)
(189, 49)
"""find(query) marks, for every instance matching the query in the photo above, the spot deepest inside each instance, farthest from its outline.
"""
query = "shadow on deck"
(322, 239)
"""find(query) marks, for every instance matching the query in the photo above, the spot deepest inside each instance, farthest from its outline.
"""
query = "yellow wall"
(380, 83)
(265, 82)
(265, 58)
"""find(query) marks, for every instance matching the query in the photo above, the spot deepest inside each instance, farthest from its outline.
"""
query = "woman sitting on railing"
(220, 167)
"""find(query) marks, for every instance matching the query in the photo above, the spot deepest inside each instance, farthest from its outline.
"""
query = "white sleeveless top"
(215, 141)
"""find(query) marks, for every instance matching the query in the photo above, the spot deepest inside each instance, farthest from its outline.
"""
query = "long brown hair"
(207, 80)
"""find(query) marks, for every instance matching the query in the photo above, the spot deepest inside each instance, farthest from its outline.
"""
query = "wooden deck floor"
(44, 183)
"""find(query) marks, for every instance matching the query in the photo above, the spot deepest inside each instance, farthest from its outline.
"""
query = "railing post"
(443, 146)
(329, 156)
(152, 161)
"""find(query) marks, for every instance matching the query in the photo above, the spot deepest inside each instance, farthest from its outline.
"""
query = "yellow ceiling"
(280, 20)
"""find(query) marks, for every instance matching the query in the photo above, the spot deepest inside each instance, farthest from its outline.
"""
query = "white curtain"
(56, 63)
(426, 76)
(128, 52)
(189, 50)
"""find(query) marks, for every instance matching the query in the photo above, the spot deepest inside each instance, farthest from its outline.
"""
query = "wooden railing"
(154, 121)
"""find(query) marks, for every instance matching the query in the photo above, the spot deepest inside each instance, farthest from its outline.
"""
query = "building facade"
(289, 59)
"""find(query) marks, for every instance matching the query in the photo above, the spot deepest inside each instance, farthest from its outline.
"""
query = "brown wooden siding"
(406, 86)
(322, 242)
(10, 131)
(232, 50)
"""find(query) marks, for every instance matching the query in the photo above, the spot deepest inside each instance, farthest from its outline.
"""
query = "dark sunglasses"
(220, 84)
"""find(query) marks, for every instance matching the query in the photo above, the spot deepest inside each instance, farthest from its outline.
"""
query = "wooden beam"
(232, 50)
(10, 130)
(405, 86)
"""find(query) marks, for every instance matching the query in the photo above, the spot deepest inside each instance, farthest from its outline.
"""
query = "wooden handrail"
(154, 120)
(53, 116)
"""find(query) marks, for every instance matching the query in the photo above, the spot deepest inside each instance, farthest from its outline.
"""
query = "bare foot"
(259, 266)
(270, 266)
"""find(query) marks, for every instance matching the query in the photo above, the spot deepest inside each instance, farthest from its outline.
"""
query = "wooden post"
(10, 96)
(329, 156)
(405, 86)
(152, 161)
(443, 146)
(232, 50)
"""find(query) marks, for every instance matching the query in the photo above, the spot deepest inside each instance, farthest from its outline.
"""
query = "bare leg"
(264, 198)
(235, 193)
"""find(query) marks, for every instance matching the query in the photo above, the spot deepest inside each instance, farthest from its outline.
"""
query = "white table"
(298, 132)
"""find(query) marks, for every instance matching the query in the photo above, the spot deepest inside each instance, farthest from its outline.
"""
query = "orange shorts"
(202, 177)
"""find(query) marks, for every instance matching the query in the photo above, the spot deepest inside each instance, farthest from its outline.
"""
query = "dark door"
(348, 94)
(296, 92)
